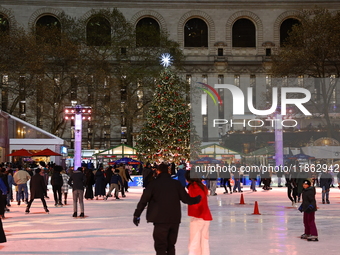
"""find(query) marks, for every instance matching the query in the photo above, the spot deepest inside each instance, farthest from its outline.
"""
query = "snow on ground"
(108, 228)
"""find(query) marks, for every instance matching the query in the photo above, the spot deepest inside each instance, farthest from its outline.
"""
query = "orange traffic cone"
(256, 209)
(242, 200)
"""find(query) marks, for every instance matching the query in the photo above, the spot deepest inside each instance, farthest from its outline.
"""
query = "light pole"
(255, 150)
(78, 113)
(278, 141)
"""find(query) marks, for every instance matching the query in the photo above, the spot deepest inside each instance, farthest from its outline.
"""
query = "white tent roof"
(25, 135)
(323, 152)
(122, 149)
(217, 149)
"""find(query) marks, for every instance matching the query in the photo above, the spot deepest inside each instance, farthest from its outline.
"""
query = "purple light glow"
(77, 140)
(278, 141)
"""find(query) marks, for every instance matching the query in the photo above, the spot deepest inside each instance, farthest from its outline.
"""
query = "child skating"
(308, 207)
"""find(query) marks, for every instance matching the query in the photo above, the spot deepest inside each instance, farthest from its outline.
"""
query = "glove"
(300, 208)
(199, 198)
(136, 220)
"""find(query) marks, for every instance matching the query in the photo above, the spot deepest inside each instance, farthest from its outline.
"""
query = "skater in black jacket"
(162, 198)
(57, 183)
(77, 182)
(308, 207)
(38, 189)
(2, 233)
(225, 181)
(291, 187)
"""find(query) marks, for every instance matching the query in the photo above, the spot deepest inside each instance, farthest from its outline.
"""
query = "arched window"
(4, 24)
(48, 29)
(244, 33)
(286, 28)
(147, 33)
(195, 33)
(98, 32)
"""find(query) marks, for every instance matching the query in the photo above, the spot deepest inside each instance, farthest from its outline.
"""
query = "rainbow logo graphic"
(208, 89)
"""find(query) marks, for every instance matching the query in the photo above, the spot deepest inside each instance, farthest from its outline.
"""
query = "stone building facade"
(233, 43)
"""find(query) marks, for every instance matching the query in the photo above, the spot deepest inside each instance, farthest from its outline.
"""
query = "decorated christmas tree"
(167, 131)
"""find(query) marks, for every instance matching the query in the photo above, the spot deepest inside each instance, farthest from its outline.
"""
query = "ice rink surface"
(108, 228)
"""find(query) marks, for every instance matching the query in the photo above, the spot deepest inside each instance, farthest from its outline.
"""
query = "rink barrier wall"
(138, 181)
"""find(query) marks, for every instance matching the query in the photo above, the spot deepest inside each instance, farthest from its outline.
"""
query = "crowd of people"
(163, 194)
(233, 181)
(163, 207)
(31, 182)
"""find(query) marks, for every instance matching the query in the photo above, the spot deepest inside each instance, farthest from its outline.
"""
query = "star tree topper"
(166, 59)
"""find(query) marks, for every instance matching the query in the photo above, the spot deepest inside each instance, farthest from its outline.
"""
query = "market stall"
(110, 155)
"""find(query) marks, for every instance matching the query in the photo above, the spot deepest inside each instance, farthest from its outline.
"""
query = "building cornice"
(188, 4)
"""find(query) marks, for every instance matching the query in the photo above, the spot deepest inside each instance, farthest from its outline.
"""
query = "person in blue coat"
(115, 182)
(3, 195)
(181, 175)
(10, 186)
(3, 190)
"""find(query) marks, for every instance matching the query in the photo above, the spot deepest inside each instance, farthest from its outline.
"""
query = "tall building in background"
(224, 42)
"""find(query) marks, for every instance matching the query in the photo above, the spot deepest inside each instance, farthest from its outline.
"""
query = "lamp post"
(78, 113)
(278, 140)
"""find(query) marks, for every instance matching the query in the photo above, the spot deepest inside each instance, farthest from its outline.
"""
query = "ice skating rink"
(108, 228)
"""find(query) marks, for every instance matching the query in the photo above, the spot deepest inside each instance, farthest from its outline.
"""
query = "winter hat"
(307, 182)
(58, 168)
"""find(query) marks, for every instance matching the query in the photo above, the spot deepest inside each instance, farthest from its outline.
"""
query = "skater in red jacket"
(201, 217)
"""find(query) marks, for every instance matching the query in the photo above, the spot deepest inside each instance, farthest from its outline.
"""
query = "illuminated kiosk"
(107, 157)
(78, 113)
(260, 156)
(219, 152)
(115, 153)
(23, 135)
